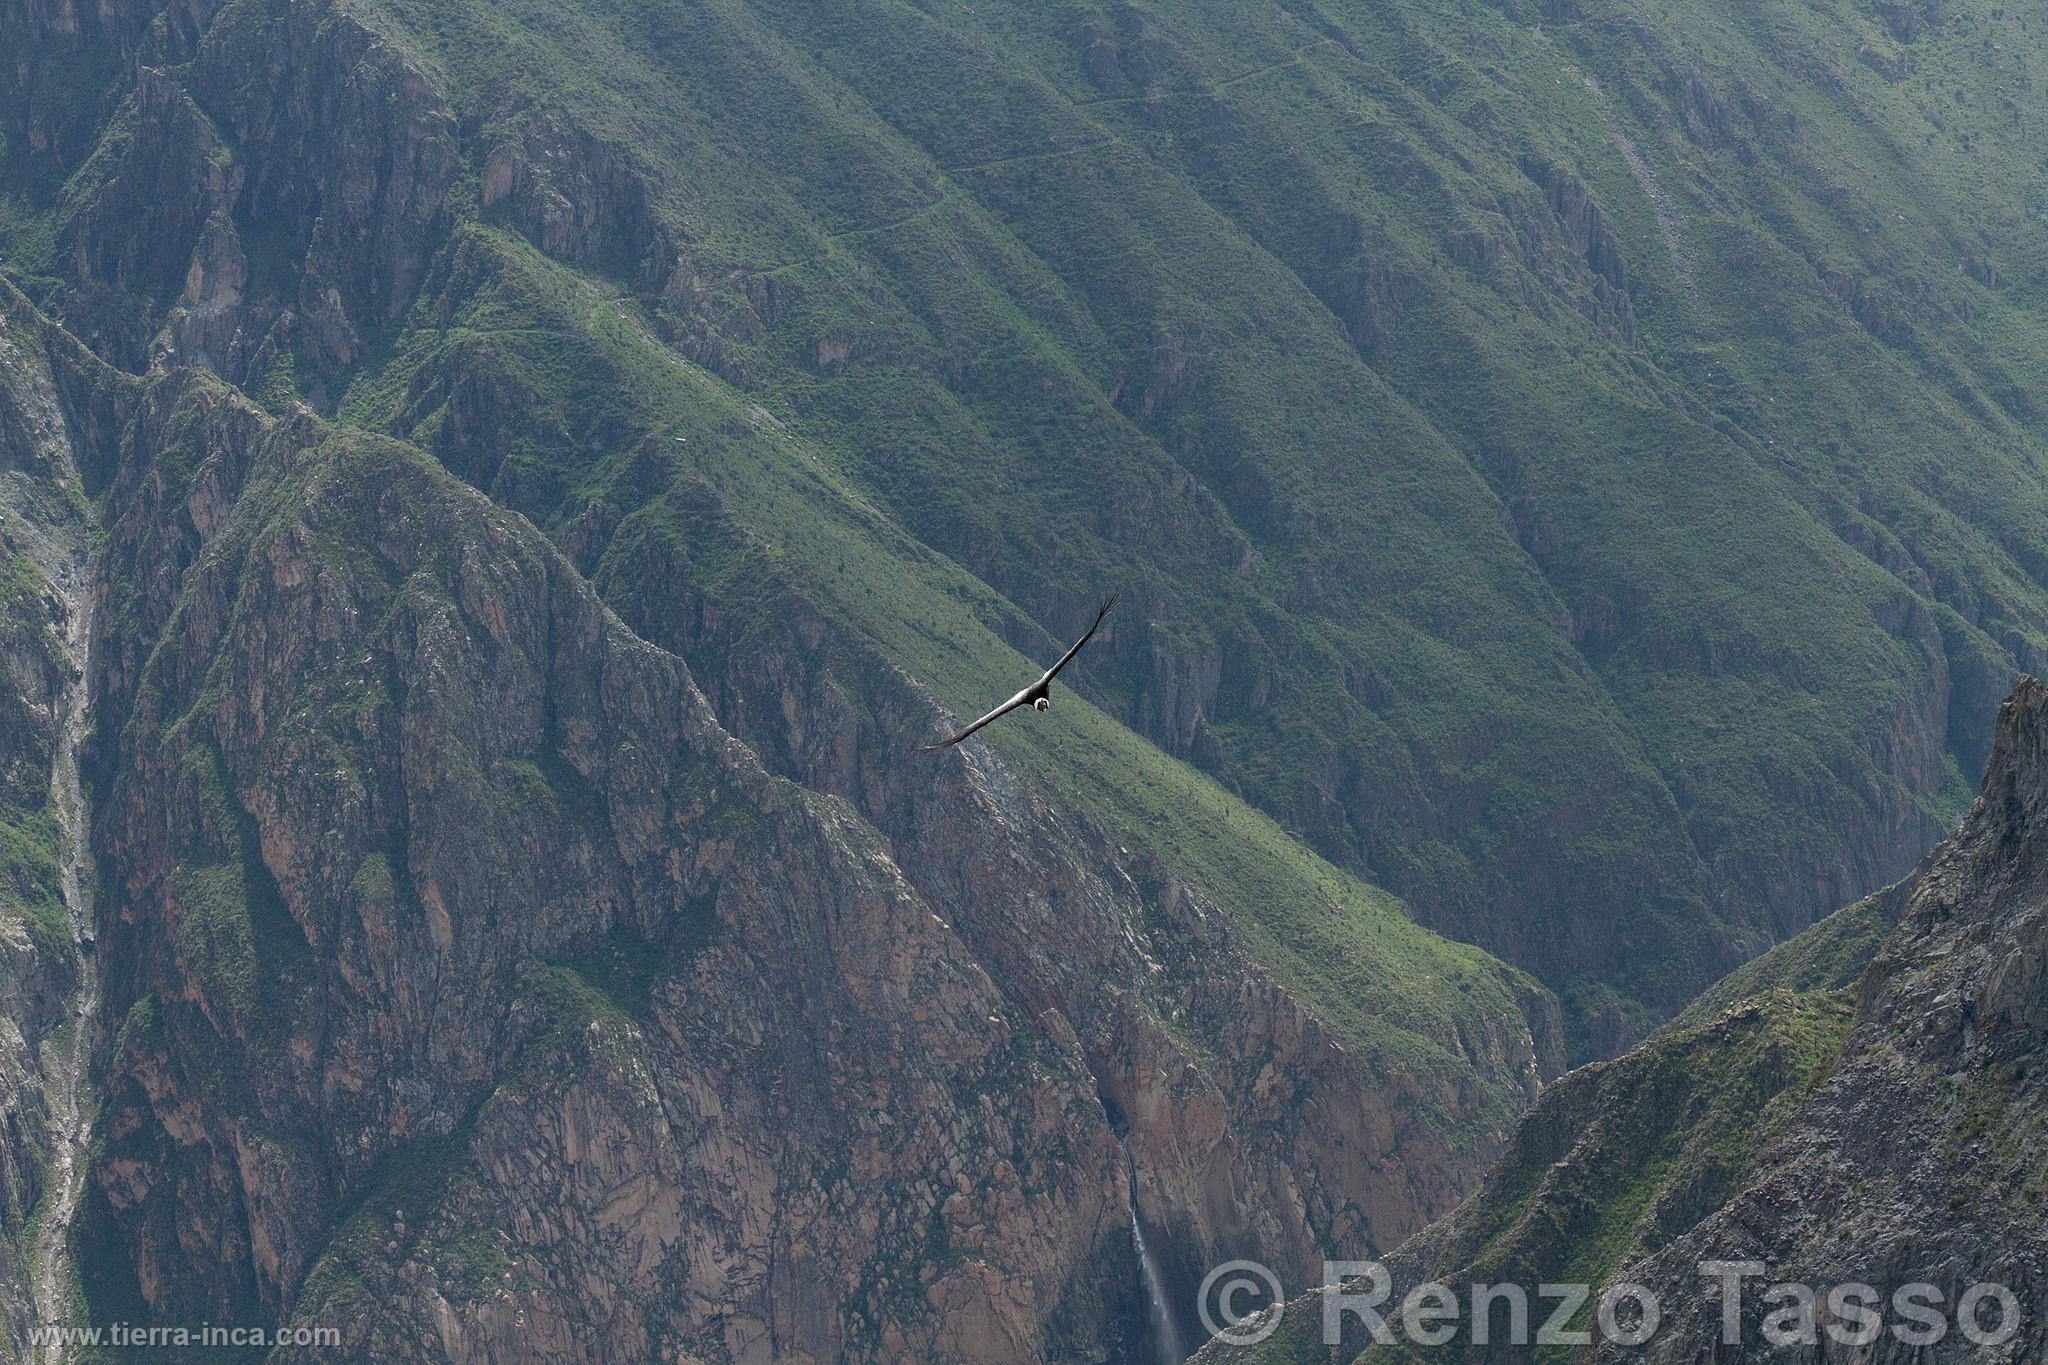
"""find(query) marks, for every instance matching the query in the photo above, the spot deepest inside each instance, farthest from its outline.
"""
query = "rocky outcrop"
(1887, 1132)
(577, 199)
(264, 196)
(1924, 1158)
(46, 999)
(1609, 1160)
(1252, 1122)
(161, 163)
(473, 984)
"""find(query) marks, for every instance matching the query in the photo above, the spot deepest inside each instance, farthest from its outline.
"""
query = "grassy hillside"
(744, 513)
(1832, 955)
(1577, 475)
(1069, 328)
(1614, 1162)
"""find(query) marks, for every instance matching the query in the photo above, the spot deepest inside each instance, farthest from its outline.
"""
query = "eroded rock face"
(449, 917)
(1882, 1132)
(44, 600)
(307, 130)
(576, 198)
(469, 981)
(1922, 1159)
(1254, 1128)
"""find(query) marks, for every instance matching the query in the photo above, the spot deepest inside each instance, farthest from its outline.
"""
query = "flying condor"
(1038, 696)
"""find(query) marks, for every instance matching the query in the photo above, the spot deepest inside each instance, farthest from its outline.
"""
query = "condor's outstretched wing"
(1086, 636)
(1005, 709)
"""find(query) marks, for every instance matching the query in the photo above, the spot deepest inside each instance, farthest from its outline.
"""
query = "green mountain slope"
(1830, 956)
(1573, 482)
(1614, 1161)
(1574, 474)
(806, 529)
(1562, 471)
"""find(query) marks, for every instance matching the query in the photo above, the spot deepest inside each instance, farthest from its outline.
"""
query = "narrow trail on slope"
(1685, 263)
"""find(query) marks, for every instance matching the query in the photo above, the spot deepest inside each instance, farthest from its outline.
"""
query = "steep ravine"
(67, 1052)
(46, 546)
(1162, 1326)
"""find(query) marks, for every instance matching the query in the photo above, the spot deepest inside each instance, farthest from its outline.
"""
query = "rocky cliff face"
(469, 983)
(1924, 1158)
(47, 991)
(1881, 1125)
(476, 988)
(1225, 1083)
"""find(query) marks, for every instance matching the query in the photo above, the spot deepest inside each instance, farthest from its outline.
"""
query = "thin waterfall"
(1167, 1348)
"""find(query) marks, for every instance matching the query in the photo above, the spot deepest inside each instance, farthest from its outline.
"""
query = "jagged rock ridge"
(1884, 1125)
